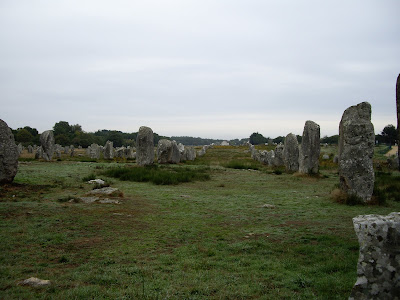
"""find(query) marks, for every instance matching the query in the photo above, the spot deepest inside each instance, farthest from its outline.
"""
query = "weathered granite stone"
(30, 149)
(203, 150)
(109, 150)
(35, 282)
(20, 148)
(270, 157)
(94, 151)
(48, 146)
(58, 153)
(39, 153)
(145, 146)
(310, 149)
(164, 149)
(8, 154)
(398, 117)
(190, 153)
(356, 149)
(336, 159)
(66, 149)
(175, 155)
(72, 153)
(291, 153)
(278, 160)
(325, 157)
(129, 153)
(378, 268)
(167, 152)
(120, 152)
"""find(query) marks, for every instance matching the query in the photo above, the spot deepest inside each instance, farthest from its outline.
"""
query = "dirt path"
(392, 151)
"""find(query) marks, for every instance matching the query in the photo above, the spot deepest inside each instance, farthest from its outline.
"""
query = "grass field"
(214, 239)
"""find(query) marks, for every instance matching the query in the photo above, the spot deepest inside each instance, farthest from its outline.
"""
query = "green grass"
(196, 240)
(236, 164)
(157, 175)
(387, 187)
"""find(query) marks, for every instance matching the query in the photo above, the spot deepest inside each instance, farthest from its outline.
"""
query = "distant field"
(214, 239)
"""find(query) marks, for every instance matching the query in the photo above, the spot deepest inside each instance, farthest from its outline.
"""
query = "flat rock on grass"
(109, 201)
(88, 199)
(267, 206)
(106, 191)
(35, 282)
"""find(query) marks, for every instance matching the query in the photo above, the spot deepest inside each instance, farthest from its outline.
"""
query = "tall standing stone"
(278, 159)
(398, 117)
(356, 149)
(310, 149)
(176, 155)
(145, 146)
(94, 151)
(378, 268)
(109, 150)
(8, 154)
(291, 153)
(48, 145)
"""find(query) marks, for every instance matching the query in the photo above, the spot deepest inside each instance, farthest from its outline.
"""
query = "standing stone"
(39, 153)
(356, 148)
(47, 141)
(167, 152)
(94, 151)
(398, 117)
(270, 157)
(378, 268)
(175, 156)
(190, 153)
(310, 149)
(291, 153)
(20, 148)
(30, 149)
(109, 150)
(145, 146)
(129, 152)
(164, 149)
(278, 160)
(325, 157)
(58, 153)
(120, 152)
(72, 153)
(8, 154)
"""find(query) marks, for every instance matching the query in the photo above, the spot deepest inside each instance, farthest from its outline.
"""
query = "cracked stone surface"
(378, 269)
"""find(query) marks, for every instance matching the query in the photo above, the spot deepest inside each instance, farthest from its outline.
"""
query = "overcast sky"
(213, 69)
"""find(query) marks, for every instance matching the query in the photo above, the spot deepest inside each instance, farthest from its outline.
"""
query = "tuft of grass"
(243, 165)
(386, 187)
(159, 176)
(89, 177)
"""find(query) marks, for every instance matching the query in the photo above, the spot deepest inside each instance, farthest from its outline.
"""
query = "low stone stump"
(378, 269)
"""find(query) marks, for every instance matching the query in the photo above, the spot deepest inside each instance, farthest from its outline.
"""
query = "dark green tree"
(62, 127)
(23, 136)
(389, 134)
(257, 139)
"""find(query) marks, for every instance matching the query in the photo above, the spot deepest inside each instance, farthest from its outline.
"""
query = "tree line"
(66, 134)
